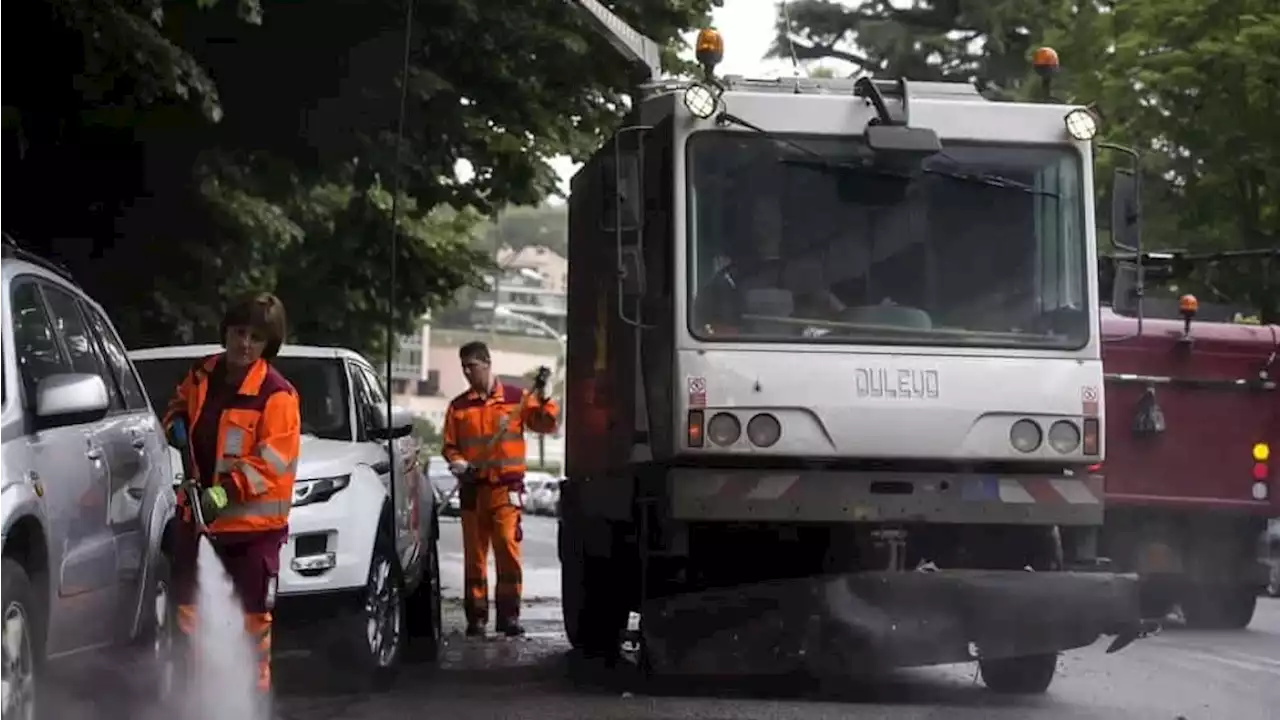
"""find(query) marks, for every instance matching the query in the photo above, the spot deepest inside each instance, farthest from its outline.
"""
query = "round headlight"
(764, 430)
(1064, 436)
(700, 100)
(1025, 436)
(724, 429)
(1082, 124)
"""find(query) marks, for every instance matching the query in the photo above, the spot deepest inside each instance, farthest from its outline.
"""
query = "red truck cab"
(1193, 415)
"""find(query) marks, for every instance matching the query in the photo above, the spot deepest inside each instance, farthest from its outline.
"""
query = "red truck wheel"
(1219, 608)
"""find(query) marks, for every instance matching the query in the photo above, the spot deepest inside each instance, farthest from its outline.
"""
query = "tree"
(521, 227)
(984, 41)
(279, 175)
(1192, 83)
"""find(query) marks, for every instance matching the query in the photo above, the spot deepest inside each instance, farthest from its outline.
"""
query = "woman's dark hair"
(264, 314)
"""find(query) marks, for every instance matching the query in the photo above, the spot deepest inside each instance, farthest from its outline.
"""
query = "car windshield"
(321, 385)
(805, 240)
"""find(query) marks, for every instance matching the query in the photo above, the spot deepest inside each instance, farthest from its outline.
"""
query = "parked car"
(86, 494)
(348, 536)
(445, 485)
(542, 493)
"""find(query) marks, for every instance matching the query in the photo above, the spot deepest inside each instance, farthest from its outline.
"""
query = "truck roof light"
(1261, 452)
(1188, 304)
(709, 48)
(1082, 124)
(1045, 60)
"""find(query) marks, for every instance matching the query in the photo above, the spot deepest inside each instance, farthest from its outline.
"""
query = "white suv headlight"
(306, 492)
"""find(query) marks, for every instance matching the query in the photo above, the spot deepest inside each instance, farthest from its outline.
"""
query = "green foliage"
(425, 432)
(207, 148)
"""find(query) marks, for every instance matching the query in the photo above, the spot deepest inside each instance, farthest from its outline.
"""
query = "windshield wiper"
(996, 181)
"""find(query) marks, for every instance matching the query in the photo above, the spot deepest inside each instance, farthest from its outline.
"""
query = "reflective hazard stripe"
(477, 441)
(499, 463)
(233, 442)
(257, 481)
(256, 508)
(274, 460)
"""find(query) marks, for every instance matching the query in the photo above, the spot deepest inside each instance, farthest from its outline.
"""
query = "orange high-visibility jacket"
(259, 434)
(488, 431)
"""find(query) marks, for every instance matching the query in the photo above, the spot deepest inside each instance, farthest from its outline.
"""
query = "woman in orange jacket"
(238, 420)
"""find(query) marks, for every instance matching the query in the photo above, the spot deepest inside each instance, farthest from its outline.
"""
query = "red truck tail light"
(695, 428)
(1089, 444)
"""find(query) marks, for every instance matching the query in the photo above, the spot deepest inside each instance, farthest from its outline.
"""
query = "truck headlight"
(1025, 436)
(306, 492)
(724, 429)
(701, 101)
(1064, 436)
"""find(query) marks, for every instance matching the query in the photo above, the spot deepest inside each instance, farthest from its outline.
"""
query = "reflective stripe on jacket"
(488, 432)
(259, 434)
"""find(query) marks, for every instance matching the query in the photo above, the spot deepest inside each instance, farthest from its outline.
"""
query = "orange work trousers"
(491, 516)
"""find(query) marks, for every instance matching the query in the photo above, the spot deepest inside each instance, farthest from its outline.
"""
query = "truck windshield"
(321, 384)
(986, 248)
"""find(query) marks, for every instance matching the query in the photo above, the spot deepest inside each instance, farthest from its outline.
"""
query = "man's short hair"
(474, 350)
(264, 314)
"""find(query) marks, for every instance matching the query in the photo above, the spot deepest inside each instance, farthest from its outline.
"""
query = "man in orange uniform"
(484, 444)
(238, 420)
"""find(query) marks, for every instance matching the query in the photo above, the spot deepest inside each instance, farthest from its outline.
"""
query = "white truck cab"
(351, 538)
(834, 354)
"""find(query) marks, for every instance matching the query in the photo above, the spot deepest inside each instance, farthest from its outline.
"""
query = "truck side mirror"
(1126, 211)
(622, 195)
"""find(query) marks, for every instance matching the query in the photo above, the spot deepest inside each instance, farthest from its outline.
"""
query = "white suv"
(357, 565)
(86, 492)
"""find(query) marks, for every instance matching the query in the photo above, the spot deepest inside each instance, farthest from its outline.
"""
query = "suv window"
(364, 402)
(34, 341)
(130, 387)
(83, 349)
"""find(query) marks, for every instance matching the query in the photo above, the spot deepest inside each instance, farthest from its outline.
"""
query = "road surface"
(1178, 674)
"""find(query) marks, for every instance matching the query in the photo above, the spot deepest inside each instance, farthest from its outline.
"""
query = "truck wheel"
(1219, 608)
(20, 642)
(594, 614)
(1029, 675)
(373, 637)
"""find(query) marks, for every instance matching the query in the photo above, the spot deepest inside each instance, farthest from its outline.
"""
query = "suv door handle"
(139, 440)
(93, 453)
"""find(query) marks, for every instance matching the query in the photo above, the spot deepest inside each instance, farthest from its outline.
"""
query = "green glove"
(212, 501)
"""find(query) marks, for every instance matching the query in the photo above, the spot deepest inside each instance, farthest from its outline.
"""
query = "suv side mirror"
(65, 394)
(1126, 211)
(400, 424)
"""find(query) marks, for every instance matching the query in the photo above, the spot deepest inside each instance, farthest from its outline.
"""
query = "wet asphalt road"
(1178, 674)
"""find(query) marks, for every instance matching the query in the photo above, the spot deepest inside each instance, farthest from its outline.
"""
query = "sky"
(747, 29)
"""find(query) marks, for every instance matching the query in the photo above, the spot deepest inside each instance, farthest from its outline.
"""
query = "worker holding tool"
(236, 420)
(484, 445)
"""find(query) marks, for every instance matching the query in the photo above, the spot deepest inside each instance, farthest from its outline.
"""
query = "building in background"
(531, 284)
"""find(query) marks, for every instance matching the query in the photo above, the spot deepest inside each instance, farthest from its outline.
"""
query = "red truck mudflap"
(872, 621)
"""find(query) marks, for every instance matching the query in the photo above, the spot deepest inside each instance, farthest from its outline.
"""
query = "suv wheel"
(19, 643)
(425, 612)
(374, 636)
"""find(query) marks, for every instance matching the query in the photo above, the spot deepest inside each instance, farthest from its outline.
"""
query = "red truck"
(1193, 416)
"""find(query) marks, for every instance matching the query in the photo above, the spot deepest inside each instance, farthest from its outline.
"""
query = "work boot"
(510, 627)
(475, 628)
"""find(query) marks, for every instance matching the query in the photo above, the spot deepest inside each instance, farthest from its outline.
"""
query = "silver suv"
(86, 493)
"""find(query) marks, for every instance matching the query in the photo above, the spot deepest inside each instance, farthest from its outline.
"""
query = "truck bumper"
(698, 494)
(872, 621)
